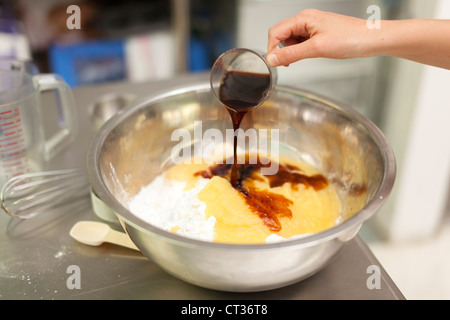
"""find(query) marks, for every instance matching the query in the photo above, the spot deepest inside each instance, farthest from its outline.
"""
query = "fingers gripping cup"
(23, 145)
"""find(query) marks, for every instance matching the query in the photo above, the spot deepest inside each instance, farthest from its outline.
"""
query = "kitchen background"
(155, 39)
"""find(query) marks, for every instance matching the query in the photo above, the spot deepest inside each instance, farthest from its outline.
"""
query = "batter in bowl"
(198, 201)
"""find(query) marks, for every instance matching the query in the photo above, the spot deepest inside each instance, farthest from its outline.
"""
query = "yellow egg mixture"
(311, 210)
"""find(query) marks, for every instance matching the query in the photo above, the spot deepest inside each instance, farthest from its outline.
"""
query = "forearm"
(329, 35)
(419, 40)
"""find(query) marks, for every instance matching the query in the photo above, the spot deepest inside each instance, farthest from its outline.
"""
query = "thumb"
(290, 54)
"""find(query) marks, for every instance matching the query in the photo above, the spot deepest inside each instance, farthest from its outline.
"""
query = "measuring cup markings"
(12, 147)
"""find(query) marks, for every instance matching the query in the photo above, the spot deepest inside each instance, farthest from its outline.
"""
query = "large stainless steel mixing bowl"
(134, 146)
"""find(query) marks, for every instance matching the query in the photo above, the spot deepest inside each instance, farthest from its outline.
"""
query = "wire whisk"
(27, 195)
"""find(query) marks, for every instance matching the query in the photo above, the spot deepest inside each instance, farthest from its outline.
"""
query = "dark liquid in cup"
(240, 92)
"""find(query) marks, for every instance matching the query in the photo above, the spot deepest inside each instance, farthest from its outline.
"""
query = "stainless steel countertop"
(35, 254)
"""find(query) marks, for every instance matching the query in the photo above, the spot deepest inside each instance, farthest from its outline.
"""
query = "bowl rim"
(372, 206)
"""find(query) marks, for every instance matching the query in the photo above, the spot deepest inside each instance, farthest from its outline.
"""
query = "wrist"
(378, 41)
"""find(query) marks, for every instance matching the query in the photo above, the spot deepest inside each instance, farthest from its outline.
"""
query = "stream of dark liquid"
(240, 92)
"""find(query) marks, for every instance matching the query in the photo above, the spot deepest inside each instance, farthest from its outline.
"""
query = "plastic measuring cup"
(242, 60)
(23, 145)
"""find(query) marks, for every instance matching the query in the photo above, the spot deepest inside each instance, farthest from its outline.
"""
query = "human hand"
(313, 34)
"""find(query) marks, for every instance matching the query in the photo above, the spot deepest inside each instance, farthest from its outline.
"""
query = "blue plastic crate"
(90, 62)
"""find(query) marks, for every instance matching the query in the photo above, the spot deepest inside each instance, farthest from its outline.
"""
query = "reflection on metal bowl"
(107, 106)
(133, 147)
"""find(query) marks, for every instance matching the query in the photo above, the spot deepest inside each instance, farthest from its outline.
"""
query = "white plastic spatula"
(95, 233)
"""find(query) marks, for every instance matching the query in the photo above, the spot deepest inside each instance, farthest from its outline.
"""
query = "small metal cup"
(245, 60)
(107, 106)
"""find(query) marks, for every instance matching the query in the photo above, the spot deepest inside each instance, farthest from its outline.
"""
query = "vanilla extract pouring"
(240, 92)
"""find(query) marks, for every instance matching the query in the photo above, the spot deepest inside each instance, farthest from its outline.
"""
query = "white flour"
(165, 204)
